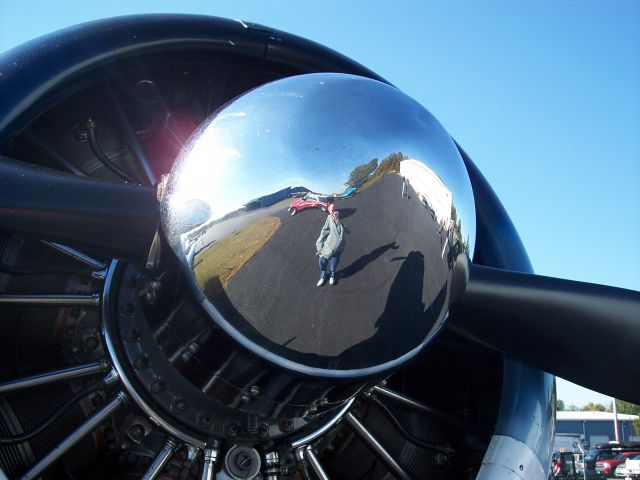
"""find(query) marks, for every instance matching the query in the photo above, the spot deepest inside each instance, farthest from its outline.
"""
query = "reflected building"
(430, 189)
(252, 259)
(199, 237)
(268, 200)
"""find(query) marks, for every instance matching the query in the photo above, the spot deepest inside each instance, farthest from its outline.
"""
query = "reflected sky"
(296, 132)
(255, 261)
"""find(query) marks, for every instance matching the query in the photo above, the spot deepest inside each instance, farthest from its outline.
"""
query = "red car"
(310, 200)
(608, 467)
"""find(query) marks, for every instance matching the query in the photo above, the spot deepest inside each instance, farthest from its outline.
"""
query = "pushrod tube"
(168, 449)
(326, 427)
(51, 153)
(315, 464)
(78, 434)
(209, 463)
(54, 376)
(384, 456)
(76, 255)
(71, 300)
(132, 140)
(102, 157)
(427, 409)
(409, 402)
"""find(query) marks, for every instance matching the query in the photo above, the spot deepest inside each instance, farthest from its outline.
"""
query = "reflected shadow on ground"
(365, 260)
(404, 317)
(391, 288)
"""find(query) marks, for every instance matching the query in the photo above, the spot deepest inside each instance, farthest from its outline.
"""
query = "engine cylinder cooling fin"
(76, 436)
(378, 449)
(34, 411)
(196, 382)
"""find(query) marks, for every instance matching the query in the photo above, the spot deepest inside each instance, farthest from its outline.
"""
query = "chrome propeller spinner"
(344, 144)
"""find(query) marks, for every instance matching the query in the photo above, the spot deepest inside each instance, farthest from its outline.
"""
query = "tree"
(361, 173)
(631, 409)
(559, 405)
(594, 407)
(391, 163)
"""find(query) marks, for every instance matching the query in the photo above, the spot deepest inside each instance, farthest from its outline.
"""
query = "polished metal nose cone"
(319, 219)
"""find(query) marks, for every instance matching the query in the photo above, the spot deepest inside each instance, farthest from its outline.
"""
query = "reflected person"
(329, 246)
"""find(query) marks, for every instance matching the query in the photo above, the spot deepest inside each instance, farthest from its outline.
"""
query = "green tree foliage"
(366, 174)
(361, 173)
(594, 407)
(391, 163)
(559, 405)
(631, 409)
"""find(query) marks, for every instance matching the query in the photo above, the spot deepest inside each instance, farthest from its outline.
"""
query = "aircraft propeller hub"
(357, 282)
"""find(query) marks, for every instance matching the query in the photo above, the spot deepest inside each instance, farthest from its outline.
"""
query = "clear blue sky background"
(543, 95)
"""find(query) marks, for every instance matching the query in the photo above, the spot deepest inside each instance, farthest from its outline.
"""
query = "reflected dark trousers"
(333, 262)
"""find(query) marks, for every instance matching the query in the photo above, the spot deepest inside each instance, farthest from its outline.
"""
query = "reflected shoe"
(321, 281)
(332, 280)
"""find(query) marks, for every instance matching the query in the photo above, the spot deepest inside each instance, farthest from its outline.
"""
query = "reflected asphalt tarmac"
(390, 267)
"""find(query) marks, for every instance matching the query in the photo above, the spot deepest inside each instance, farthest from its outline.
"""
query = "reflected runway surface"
(352, 320)
(319, 218)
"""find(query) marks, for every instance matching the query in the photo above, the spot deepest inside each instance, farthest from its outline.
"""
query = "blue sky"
(544, 96)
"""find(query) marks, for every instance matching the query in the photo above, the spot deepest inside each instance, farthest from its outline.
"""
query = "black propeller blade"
(588, 334)
(110, 218)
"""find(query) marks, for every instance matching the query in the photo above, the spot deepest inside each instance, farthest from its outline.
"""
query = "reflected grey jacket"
(331, 239)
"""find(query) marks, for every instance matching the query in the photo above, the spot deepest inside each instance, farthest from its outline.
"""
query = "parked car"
(592, 458)
(607, 467)
(632, 467)
(621, 470)
(608, 451)
(310, 200)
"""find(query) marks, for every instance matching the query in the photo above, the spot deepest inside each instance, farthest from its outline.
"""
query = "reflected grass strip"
(214, 267)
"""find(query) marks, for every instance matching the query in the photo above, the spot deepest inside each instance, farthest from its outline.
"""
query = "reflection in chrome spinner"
(319, 201)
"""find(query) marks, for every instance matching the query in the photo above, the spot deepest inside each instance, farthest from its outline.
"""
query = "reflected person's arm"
(324, 233)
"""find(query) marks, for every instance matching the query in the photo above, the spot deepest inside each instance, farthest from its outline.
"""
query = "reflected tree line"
(366, 174)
